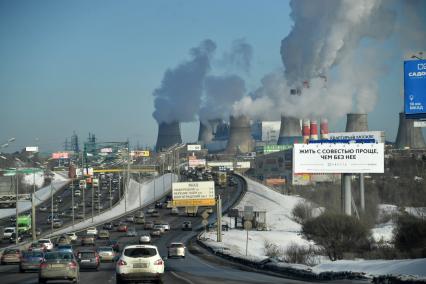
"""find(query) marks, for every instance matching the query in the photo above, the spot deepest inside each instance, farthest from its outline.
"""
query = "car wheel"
(118, 280)
(41, 281)
(21, 270)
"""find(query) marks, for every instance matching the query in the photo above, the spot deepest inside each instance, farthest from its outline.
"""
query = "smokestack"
(356, 122)
(240, 140)
(290, 131)
(306, 131)
(324, 128)
(314, 130)
(168, 135)
(409, 136)
(205, 134)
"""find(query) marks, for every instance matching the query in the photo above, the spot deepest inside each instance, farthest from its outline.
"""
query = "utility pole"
(17, 213)
(99, 191)
(219, 219)
(110, 197)
(346, 194)
(72, 200)
(93, 204)
(84, 188)
(33, 211)
(140, 198)
(51, 207)
(362, 192)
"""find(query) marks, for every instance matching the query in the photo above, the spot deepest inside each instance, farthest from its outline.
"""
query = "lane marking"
(181, 278)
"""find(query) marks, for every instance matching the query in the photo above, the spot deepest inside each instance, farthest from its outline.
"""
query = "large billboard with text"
(338, 158)
(415, 88)
(200, 193)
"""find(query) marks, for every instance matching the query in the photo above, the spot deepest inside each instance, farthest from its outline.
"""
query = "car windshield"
(64, 247)
(44, 241)
(105, 249)
(32, 254)
(58, 255)
(11, 251)
(176, 246)
(140, 252)
(86, 254)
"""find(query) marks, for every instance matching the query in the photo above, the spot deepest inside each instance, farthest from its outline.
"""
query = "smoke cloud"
(239, 57)
(179, 96)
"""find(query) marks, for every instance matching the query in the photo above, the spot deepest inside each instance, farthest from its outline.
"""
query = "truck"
(95, 183)
(24, 223)
(191, 210)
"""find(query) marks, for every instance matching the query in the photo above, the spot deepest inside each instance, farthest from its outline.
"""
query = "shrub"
(272, 250)
(410, 235)
(295, 253)
(302, 212)
(336, 234)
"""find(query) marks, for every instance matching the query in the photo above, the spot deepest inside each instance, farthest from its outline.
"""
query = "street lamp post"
(51, 207)
(33, 213)
(110, 196)
(17, 216)
(140, 198)
(72, 200)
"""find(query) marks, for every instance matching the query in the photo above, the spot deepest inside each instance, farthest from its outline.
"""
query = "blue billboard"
(415, 88)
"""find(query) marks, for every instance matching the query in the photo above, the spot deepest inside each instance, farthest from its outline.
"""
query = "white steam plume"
(179, 96)
(239, 57)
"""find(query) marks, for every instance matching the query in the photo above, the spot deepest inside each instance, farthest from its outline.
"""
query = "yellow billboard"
(194, 202)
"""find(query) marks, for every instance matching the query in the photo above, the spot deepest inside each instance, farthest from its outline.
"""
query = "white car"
(166, 226)
(176, 249)
(73, 237)
(8, 231)
(159, 227)
(145, 239)
(47, 243)
(150, 210)
(92, 231)
(139, 262)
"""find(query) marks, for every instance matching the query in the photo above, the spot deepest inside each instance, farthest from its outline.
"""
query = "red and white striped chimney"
(324, 128)
(314, 130)
(306, 130)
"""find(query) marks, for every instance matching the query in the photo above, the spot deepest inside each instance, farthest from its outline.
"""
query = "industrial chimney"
(324, 129)
(290, 131)
(168, 135)
(409, 136)
(314, 130)
(306, 131)
(205, 134)
(356, 122)
(240, 139)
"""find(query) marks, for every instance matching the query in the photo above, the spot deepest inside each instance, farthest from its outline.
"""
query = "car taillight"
(43, 265)
(72, 265)
(158, 262)
(121, 262)
(97, 258)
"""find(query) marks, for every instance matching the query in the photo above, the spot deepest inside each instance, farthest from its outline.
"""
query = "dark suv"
(88, 259)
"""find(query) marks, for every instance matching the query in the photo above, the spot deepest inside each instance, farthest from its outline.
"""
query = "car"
(176, 250)
(30, 260)
(103, 234)
(160, 227)
(155, 213)
(209, 210)
(54, 209)
(59, 266)
(140, 219)
(10, 255)
(47, 243)
(148, 225)
(59, 199)
(166, 226)
(73, 236)
(92, 231)
(42, 208)
(52, 218)
(64, 240)
(114, 244)
(150, 210)
(145, 239)
(67, 248)
(106, 253)
(77, 192)
(8, 231)
(38, 231)
(122, 227)
(159, 204)
(139, 262)
(155, 233)
(88, 259)
(130, 219)
(36, 246)
(57, 223)
(187, 226)
(88, 240)
(132, 232)
(174, 211)
(107, 226)
(99, 206)
(79, 216)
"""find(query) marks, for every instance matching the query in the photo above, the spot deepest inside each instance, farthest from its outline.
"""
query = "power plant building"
(168, 135)
(266, 131)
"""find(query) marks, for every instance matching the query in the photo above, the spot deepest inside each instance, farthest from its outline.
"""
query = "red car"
(36, 246)
(122, 227)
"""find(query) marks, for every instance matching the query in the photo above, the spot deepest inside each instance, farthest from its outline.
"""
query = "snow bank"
(41, 195)
(38, 178)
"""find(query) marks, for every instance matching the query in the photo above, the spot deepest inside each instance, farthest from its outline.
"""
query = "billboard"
(243, 165)
(225, 165)
(415, 88)
(138, 154)
(193, 147)
(193, 163)
(200, 193)
(378, 136)
(60, 155)
(338, 158)
(31, 149)
(106, 150)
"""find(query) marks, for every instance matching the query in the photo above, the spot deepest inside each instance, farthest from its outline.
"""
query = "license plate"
(57, 266)
(139, 265)
(85, 260)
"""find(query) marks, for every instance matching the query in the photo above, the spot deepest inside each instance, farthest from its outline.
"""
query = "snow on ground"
(59, 180)
(38, 178)
(150, 191)
(282, 230)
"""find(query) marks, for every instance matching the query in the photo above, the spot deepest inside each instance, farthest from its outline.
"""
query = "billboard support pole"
(362, 192)
(346, 194)
(33, 211)
(219, 219)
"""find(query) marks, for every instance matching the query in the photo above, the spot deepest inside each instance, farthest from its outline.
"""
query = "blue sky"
(91, 66)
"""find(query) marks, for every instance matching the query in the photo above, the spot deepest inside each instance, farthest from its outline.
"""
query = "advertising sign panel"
(31, 149)
(338, 158)
(106, 150)
(243, 165)
(193, 163)
(200, 193)
(378, 136)
(226, 165)
(60, 155)
(194, 147)
(415, 88)
(138, 154)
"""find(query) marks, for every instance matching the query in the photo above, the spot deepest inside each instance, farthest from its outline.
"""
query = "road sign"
(194, 202)
(419, 123)
(205, 215)
(248, 225)
(204, 222)
(193, 193)
(248, 212)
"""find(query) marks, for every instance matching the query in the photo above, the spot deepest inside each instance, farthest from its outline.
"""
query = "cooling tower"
(356, 122)
(205, 134)
(168, 135)
(409, 136)
(240, 140)
(314, 130)
(324, 128)
(290, 131)
(306, 130)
